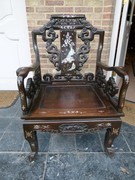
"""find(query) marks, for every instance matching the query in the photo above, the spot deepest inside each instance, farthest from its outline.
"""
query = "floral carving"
(115, 131)
(42, 127)
(28, 134)
(104, 125)
(73, 128)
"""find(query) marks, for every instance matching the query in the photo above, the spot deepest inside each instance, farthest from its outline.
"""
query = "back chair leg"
(31, 137)
(110, 135)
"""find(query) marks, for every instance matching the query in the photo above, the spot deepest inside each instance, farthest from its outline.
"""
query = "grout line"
(101, 142)
(45, 166)
(75, 142)
(22, 146)
(58, 153)
(126, 143)
(20, 152)
(2, 136)
(58, 157)
(129, 132)
(5, 130)
(49, 141)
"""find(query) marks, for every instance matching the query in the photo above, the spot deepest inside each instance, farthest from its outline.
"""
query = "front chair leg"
(31, 137)
(110, 135)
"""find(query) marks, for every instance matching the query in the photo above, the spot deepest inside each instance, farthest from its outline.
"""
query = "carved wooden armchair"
(70, 101)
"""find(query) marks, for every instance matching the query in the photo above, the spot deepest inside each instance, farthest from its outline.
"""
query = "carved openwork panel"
(109, 87)
(49, 78)
(67, 58)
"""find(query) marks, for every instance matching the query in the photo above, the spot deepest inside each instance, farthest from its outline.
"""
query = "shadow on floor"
(63, 157)
(130, 68)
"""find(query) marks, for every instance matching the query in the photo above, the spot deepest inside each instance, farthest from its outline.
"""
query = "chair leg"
(110, 135)
(31, 137)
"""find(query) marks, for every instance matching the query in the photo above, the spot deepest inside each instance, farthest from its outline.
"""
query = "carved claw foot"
(32, 157)
(109, 151)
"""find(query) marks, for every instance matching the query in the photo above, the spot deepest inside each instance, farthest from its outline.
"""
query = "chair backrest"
(68, 58)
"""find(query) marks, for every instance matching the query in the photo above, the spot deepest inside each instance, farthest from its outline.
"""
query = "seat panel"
(71, 101)
(66, 97)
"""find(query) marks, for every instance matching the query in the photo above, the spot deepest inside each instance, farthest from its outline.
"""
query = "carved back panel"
(68, 59)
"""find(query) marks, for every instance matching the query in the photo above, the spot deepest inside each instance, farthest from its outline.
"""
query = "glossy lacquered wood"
(71, 101)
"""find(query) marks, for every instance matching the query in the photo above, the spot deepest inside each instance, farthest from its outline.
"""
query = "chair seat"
(71, 101)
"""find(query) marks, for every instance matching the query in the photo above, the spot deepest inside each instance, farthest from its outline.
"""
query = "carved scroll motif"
(81, 54)
(89, 77)
(49, 36)
(47, 78)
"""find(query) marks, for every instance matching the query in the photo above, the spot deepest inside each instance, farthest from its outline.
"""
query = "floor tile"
(62, 143)
(11, 142)
(88, 142)
(1, 134)
(127, 128)
(15, 126)
(43, 143)
(4, 123)
(17, 167)
(90, 167)
(130, 138)
(10, 111)
(119, 144)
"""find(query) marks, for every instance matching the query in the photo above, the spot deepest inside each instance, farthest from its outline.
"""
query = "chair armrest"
(125, 77)
(118, 69)
(22, 73)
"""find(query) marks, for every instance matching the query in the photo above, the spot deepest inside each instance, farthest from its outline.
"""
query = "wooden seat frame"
(68, 101)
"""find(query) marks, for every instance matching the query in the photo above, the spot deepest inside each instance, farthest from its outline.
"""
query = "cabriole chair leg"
(111, 134)
(31, 137)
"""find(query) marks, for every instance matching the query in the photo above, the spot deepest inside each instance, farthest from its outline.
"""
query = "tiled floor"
(63, 157)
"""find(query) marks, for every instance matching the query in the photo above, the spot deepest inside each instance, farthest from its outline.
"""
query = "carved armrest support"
(22, 73)
(123, 74)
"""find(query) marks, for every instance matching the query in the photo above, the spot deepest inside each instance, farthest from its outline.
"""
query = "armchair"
(69, 101)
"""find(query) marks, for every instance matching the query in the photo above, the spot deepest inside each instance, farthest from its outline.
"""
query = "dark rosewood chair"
(70, 101)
